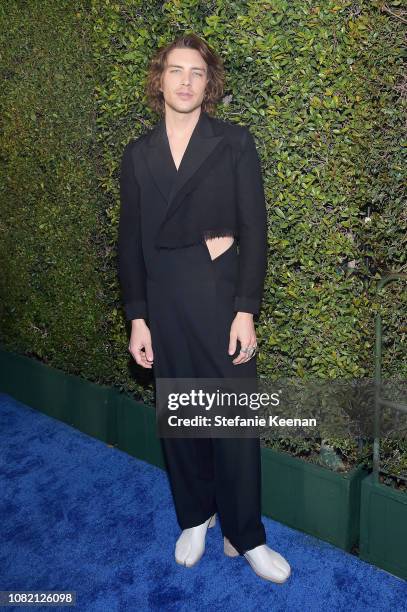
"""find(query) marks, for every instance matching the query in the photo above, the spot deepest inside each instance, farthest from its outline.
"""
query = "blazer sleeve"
(131, 266)
(252, 221)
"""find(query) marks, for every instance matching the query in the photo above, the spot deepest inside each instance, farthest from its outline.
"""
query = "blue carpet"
(78, 515)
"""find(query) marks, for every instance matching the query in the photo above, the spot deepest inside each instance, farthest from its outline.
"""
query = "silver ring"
(249, 349)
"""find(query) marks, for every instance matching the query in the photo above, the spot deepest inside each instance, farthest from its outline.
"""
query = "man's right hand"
(141, 339)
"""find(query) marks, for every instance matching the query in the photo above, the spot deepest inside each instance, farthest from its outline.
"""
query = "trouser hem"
(196, 519)
(249, 541)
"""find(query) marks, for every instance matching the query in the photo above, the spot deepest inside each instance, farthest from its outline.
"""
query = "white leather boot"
(190, 545)
(264, 561)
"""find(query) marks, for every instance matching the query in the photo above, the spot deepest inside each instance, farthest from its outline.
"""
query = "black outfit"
(190, 301)
(217, 191)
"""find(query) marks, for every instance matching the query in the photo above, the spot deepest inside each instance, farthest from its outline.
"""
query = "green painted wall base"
(311, 498)
(136, 431)
(80, 403)
(383, 533)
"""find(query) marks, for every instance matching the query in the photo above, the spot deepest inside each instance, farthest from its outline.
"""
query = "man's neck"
(181, 124)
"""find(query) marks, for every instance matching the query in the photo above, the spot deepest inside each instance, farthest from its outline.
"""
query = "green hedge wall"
(321, 87)
(52, 300)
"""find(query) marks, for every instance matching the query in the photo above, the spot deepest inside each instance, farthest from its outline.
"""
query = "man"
(191, 190)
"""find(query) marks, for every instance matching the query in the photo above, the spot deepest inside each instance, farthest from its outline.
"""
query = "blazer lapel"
(203, 147)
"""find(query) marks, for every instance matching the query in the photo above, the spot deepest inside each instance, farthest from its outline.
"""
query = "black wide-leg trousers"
(190, 301)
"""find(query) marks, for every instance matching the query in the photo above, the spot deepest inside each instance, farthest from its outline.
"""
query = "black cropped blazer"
(218, 191)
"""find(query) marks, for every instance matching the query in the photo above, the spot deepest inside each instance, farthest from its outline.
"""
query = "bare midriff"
(217, 246)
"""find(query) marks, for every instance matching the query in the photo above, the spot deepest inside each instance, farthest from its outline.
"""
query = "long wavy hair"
(216, 74)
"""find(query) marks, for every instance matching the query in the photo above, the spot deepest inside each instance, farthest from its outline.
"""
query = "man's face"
(184, 79)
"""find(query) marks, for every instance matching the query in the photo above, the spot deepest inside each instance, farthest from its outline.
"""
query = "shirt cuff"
(243, 304)
(136, 310)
